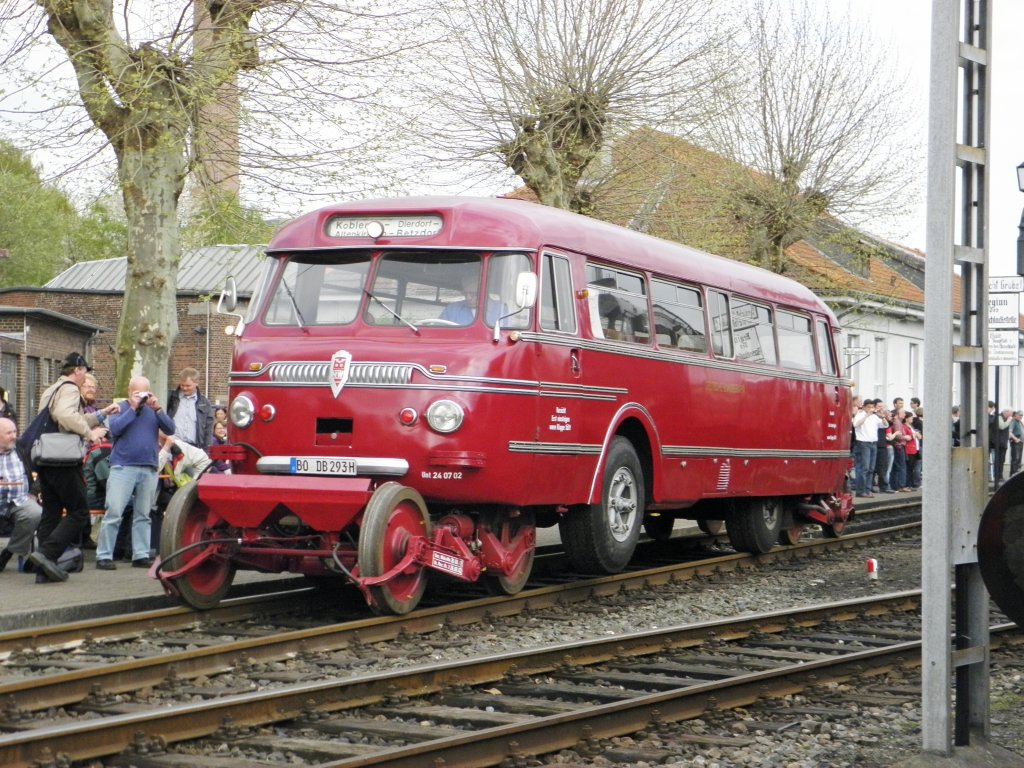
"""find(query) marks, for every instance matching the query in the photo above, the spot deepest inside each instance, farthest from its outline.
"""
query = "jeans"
(865, 452)
(899, 470)
(123, 484)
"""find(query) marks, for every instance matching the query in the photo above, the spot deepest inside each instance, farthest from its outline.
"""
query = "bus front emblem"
(340, 363)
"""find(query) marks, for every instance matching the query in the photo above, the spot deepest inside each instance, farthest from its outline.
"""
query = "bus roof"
(484, 223)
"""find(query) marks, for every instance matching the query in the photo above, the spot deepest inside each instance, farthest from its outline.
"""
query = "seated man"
(463, 312)
(15, 499)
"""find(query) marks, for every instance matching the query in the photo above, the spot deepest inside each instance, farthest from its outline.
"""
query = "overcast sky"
(907, 23)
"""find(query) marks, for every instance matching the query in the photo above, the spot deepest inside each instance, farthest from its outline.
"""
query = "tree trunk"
(151, 181)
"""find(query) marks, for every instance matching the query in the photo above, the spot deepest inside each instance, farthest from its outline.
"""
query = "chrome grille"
(360, 373)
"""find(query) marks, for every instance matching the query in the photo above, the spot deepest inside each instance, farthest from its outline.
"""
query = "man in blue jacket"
(133, 472)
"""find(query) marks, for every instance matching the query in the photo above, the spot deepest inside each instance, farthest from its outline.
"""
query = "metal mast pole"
(956, 479)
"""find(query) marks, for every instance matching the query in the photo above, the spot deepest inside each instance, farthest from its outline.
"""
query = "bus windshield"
(318, 289)
(421, 288)
(443, 289)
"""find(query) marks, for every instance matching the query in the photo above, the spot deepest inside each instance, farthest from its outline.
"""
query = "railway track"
(483, 711)
(87, 680)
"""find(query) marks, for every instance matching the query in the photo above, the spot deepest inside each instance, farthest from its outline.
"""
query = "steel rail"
(65, 688)
(86, 739)
(73, 634)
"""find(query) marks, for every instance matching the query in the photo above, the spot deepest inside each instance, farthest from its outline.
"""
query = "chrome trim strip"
(281, 465)
(696, 452)
(580, 449)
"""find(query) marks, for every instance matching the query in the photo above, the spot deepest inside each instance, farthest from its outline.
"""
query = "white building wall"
(893, 366)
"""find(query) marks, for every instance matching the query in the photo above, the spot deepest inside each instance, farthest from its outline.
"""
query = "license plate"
(315, 465)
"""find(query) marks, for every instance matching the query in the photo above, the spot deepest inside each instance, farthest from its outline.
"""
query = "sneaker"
(106, 565)
(142, 562)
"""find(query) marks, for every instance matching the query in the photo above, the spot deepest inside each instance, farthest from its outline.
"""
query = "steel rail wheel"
(395, 515)
(184, 526)
(600, 538)
(506, 529)
(790, 535)
(833, 531)
(755, 525)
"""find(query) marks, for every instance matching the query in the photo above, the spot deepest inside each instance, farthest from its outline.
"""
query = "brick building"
(80, 309)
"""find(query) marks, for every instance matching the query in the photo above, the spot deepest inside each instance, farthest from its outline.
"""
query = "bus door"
(561, 404)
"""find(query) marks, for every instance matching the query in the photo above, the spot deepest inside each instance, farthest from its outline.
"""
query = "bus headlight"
(445, 416)
(242, 411)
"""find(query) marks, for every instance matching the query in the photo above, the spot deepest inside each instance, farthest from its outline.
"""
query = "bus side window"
(557, 311)
(825, 351)
(678, 316)
(752, 332)
(721, 332)
(618, 305)
(796, 346)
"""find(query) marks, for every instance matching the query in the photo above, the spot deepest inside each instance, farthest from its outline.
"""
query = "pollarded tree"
(544, 85)
(145, 72)
(814, 120)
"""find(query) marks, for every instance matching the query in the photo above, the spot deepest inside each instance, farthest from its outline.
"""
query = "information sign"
(1004, 310)
(1003, 348)
(1006, 284)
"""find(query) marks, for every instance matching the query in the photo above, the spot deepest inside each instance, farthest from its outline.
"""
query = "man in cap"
(63, 488)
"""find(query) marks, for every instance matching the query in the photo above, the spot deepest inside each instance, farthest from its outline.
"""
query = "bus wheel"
(659, 528)
(507, 528)
(600, 538)
(711, 527)
(755, 524)
(790, 535)
(394, 515)
(185, 525)
(833, 531)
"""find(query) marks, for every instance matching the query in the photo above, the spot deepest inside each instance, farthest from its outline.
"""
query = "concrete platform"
(93, 593)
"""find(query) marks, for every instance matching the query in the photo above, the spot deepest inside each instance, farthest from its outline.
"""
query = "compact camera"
(144, 397)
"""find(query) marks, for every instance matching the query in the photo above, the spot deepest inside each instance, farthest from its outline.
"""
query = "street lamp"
(1020, 227)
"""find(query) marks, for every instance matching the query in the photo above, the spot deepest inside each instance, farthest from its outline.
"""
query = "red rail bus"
(419, 384)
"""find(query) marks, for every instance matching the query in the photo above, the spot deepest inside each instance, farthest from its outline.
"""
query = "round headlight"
(445, 416)
(242, 411)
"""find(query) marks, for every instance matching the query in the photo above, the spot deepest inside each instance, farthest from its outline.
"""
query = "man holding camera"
(133, 472)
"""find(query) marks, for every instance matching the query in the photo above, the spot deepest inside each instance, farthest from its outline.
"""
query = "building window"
(881, 366)
(913, 356)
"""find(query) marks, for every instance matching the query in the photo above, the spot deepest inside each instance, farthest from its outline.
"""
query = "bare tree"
(814, 121)
(542, 86)
(144, 79)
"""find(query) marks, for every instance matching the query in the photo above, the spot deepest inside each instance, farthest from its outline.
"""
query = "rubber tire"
(394, 514)
(659, 528)
(590, 543)
(500, 584)
(711, 527)
(184, 524)
(755, 524)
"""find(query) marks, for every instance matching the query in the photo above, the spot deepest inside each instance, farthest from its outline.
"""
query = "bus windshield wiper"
(291, 298)
(392, 312)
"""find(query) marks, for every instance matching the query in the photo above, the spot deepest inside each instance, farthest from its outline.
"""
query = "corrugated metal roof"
(202, 270)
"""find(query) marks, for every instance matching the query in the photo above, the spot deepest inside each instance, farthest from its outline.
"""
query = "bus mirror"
(526, 290)
(228, 297)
